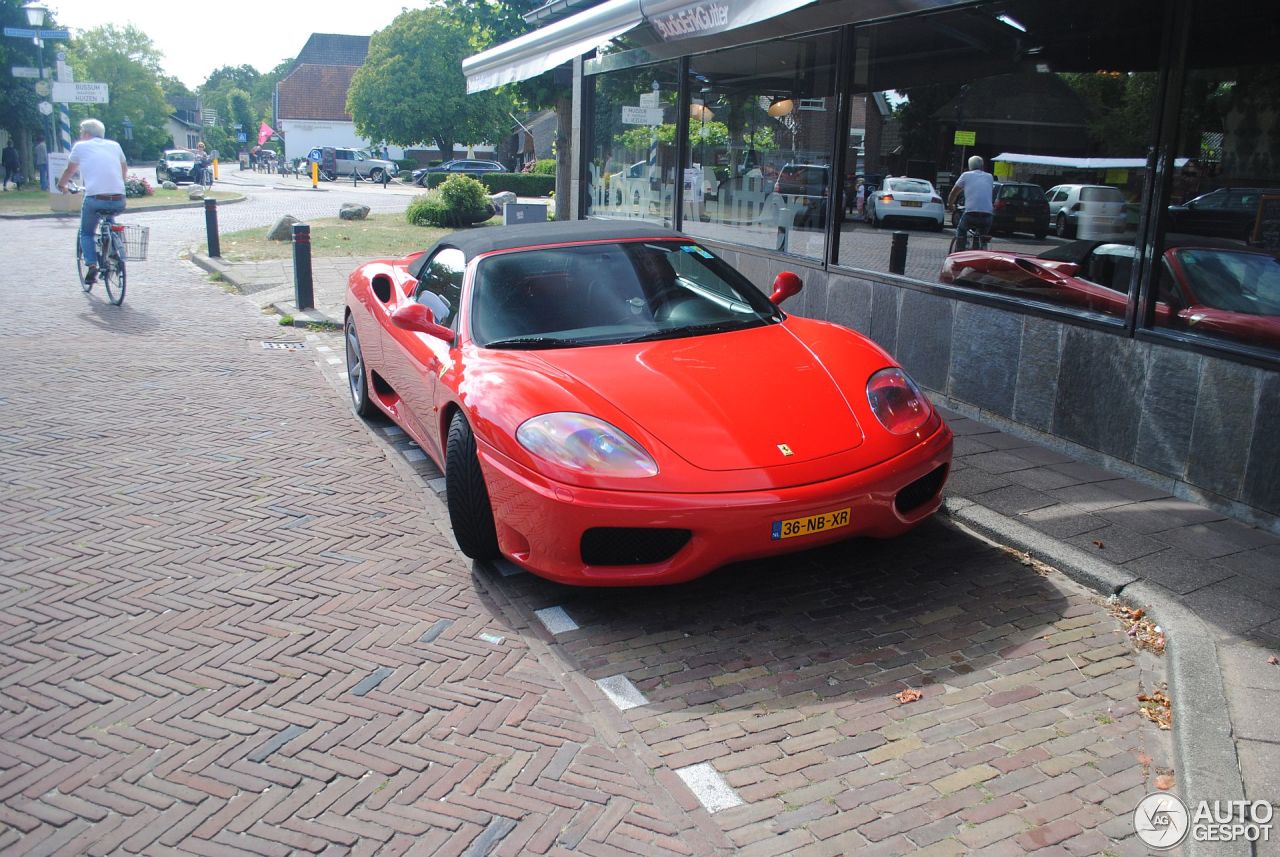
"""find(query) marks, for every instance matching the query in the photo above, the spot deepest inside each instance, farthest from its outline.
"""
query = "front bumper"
(541, 523)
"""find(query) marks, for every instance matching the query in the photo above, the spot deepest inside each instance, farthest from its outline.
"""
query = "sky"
(239, 32)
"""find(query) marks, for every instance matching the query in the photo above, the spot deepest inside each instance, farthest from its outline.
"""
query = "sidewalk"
(1213, 583)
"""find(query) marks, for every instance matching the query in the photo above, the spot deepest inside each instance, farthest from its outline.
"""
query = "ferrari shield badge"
(784, 449)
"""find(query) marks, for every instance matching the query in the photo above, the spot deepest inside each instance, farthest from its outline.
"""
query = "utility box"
(523, 212)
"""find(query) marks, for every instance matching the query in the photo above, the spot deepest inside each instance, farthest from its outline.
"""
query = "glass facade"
(632, 165)
(1217, 274)
(1102, 207)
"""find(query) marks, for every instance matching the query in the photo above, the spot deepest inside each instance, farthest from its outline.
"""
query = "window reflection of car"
(1016, 207)
(804, 189)
(177, 166)
(1226, 213)
(901, 198)
(1094, 212)
(630, 186)
(1203, 285)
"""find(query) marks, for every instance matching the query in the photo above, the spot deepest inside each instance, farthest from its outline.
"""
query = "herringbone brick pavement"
(232, 621)
(229, 625)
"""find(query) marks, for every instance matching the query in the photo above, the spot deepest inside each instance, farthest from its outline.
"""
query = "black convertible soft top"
(473, 242)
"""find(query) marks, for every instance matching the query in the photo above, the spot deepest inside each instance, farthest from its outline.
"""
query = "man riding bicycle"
(977, 186)
(103, 169)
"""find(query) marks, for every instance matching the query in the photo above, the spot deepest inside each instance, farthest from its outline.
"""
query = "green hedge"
(521, 184)
(545, 167)
(407, 164)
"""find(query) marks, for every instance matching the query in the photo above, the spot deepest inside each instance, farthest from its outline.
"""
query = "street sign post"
(23, 33)
(80, 93)
(641, 115)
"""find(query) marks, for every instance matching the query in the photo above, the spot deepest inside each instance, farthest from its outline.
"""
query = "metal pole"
(898, 254)
(211, 227)
(303, 294)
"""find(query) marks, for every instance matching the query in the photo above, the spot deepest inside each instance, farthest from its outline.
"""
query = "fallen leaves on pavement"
(908, 695)
(1157, 708)
(1145, 633)
(1164, 781)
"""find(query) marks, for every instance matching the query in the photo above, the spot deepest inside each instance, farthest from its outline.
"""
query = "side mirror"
(785, 285)
(420, 319)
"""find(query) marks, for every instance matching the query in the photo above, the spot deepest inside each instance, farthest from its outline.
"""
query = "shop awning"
(1078, 163)
(670, 20)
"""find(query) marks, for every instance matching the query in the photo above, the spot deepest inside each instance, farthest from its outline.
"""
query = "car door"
(420, 359)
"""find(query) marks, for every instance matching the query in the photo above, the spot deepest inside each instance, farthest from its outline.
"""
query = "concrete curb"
(301, 318)
(1205, 752)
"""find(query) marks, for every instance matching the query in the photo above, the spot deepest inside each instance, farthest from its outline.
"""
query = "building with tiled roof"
(311, 99)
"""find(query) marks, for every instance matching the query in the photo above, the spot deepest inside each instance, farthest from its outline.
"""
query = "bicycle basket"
(135, 241)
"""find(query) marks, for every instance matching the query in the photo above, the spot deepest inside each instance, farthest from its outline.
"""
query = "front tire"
(470, 513)
(375, 176)
(357, 373)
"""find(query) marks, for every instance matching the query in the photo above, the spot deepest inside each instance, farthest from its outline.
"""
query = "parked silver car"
(346, 162)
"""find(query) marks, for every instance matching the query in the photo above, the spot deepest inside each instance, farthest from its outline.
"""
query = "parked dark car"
(467, 166)
(177, 166)
(1017, 207)
(1225, 213)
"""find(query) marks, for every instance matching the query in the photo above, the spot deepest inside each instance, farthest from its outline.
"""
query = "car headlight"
(584, 443)
(897, 402)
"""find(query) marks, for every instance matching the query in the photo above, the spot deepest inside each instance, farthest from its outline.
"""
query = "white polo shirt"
(100, 162)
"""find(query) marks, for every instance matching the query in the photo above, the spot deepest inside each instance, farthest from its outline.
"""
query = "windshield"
(179, 156)
(601, 294)
(1239, 282)
(911, 186)
(1101, 194)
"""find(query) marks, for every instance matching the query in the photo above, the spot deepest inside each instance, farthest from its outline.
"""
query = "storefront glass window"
(1057, 100)
(1218, 274)
(633, 169)
(761, 125)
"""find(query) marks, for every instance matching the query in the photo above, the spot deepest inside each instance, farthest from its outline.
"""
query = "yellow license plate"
(810, 526)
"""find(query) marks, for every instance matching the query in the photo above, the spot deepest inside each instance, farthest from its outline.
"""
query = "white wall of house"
(302, 135)
(183, 136)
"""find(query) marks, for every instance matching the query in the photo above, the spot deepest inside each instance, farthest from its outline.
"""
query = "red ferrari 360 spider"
(612, 404)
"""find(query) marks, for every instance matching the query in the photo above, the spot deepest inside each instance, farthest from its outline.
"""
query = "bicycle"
(974, 239)
(116, 243)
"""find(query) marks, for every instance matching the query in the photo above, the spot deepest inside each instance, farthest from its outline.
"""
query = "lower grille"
(921, 491)
(631, 545)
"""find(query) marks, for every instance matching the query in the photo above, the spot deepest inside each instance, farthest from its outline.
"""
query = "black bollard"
(303, 294)
(211, 227)
(898, 254)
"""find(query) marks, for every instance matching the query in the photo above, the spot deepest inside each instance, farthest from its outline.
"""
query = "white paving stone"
(622, 692)
(414, 454)
(709, 786)
(556, 620)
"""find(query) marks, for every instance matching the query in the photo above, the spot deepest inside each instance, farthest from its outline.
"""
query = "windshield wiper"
(532, 342)
(689, 330)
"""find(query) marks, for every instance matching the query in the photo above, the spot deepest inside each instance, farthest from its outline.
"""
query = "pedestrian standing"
(42, 161)
(9, 160)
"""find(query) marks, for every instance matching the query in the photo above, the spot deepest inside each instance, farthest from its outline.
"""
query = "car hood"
(727, 401)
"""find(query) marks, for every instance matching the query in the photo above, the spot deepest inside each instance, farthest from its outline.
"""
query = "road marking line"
(555, 620)
(709, 787)
(622, 692)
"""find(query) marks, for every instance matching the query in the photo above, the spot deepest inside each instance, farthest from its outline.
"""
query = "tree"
(240, 112)
(496, 22)
(124, 59)
(1121, 106)
(411, 87)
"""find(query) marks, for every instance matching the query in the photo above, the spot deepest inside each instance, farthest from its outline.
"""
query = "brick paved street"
(234, 621)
